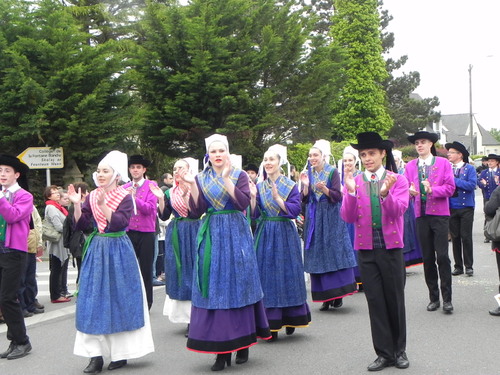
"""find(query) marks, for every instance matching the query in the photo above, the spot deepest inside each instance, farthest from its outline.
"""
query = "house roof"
(488, 139)
(456, 124)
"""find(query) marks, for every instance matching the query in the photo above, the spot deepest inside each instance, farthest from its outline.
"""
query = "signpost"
(43, 158)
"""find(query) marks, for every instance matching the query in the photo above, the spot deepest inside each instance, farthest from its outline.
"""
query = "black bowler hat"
(371, 140)
(433, 137)
(18, 166)
(139, 159)
(460, 148)
(493, 156)
(368, 140)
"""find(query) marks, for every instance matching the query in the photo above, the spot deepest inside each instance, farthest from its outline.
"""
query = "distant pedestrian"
(489, 178)
(462, 205)
(142, 226)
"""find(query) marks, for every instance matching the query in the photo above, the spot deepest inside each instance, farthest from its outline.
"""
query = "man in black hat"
(432, 184)
(375, 201)
(462, 205)
(488, 179)
(483, 166)
(252, 172)
(142, 227)
(16, 205)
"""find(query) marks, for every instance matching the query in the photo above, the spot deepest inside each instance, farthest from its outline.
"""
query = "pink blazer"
(17, 215)
(146, 203)
(357, 209)
(442, 183)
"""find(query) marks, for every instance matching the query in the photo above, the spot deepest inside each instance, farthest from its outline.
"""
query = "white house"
(457, 128)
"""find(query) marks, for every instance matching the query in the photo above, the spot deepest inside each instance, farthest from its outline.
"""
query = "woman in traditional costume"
(328, 251)
(180, 246)
(227, 314)
(112, 316)
(276, 202)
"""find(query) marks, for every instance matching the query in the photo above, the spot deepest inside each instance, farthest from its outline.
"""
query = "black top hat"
(433, 137)
(493, 156)
(139, 159)
(460, 148)
(371, 140)
(18, 166)
(252, 167)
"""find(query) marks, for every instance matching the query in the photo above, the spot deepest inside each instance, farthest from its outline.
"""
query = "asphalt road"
(337, 341)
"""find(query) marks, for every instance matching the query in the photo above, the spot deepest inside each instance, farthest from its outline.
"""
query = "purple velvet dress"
(328, 250)
(227, 311)
(279, 255)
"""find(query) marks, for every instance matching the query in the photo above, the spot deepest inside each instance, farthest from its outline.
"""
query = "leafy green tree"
(362, 104)
(55, 88)
(229, 66)
(495, 133)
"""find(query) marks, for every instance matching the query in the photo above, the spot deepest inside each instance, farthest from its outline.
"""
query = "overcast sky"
(441, 39)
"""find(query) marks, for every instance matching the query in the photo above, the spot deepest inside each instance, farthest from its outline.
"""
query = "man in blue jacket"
(489, 178)
(462, 208)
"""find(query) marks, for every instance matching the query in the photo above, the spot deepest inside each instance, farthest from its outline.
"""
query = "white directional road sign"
(42, 157)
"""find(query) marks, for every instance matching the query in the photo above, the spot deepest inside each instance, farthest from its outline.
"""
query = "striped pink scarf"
(112, 199)
(177, 201)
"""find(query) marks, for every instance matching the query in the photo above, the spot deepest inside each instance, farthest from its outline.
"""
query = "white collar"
(139, 183)
(458, 165)
(426, 161)
(379, 172)
(13, 188)
(492, 170)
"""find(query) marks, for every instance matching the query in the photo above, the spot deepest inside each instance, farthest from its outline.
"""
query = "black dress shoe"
(27, 314)
(457, 271)
(8, 351)
(94, 366)
(433, 306)
(402, 361)
(495, 312)
(289, 330)
(117, 364)
(274, 337)
(338, 303)
(38, 305)
(241, 356)
(486, 240)
(469, 271)
(187, 331)
(19, 351)
(221, 361)
(447, 307)
(325, 306)
(380, 363)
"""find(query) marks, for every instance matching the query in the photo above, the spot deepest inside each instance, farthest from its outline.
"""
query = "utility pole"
(470, 113)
